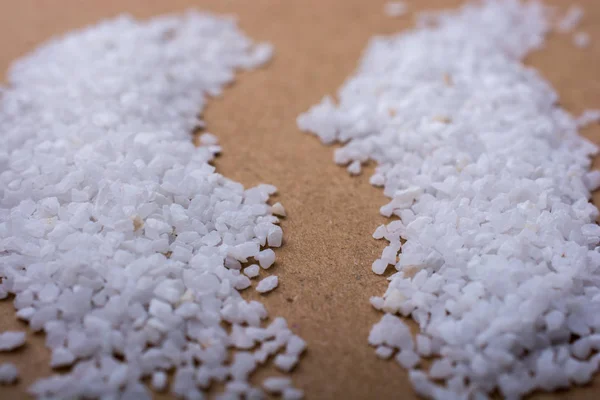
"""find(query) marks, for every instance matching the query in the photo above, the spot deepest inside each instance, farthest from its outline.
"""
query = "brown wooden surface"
(324, 265)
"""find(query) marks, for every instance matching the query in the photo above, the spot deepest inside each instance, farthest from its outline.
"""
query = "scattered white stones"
(498, 259)
(11, 340)
(117, 237)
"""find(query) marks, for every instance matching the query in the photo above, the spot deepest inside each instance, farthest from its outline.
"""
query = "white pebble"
(252, 271)
(295, 345)
(8, 374)
(11, 340)
(208, 139)
(407, 358)
(276, 384)
(285, 362)
(266, 258)
(292, 394)
(384, 352)
(354, 168)
(267, 284)
(571, 19)
(495, 245)
(592, 180)
(423, 345)
(379, 266)
(277, 209)
(581, 39)
(61, 357)
(377, 302)
(159, 381)
(395, 8)
(124, 243)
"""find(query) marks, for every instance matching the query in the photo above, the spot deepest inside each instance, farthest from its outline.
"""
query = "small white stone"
(377, 302)
(208, 139)
(26, 313)
(242, 282)
(275, 236)
(292, 394)
(393, 301)
(266, 258)
(384, 352)
(423, 345)
(277, 209)
(295, 345)
(159, 381)
(267, 284)
(8, 374)
(285, 362)
(354, 168)
(407, 358)
(61, 357)
(581, 39)
(252, 271)
(276, 384)
(11, 340)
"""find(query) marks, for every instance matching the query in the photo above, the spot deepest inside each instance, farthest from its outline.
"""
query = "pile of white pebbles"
(490, 187)
(117, 237)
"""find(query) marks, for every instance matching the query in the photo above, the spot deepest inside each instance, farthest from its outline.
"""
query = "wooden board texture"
(325, 263)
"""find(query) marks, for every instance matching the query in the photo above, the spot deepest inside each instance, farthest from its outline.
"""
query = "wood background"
(324, 265)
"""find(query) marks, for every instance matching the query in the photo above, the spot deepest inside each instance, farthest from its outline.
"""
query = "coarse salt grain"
(581, 39)
(354, 168)
(276, 384)
(61, 357)
(267, 284)
(395, 8)
(277, 209)
(117, 237)
(384, 352)
(285, 362)
(295, 345)
(379, 266)
(571, 19)
(407, 358)
(376, 302)
(266, 258)
(8, 374)
(588, 117)
(11, 340)
(592, 180)
(252, 271)
(292, 394)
